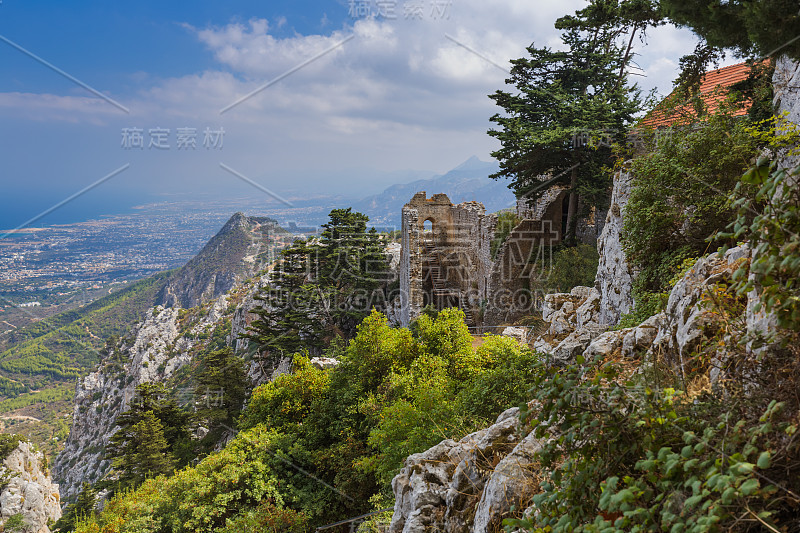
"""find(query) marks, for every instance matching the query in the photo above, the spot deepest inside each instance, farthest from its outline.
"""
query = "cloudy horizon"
(345, 96)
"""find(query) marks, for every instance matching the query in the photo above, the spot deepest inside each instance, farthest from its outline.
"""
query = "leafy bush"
(625, 454)
(15, 523)
(572, 267)
(773, 235)
(491, 391)
(267, 518)
(679, 195)
(201, 498)
(285, 402)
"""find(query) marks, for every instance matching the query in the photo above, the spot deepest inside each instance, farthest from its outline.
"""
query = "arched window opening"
(427, 230)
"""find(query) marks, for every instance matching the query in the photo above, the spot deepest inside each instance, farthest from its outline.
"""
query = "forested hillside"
(39, 368)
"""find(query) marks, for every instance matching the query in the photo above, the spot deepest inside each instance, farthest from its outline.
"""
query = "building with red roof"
(714, 88)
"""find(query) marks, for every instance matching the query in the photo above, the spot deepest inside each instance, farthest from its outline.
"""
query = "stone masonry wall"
(462, 233)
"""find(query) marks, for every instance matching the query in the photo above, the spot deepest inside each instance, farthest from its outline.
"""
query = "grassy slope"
(38, 373)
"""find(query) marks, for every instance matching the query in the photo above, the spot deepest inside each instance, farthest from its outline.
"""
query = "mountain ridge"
(467, 181)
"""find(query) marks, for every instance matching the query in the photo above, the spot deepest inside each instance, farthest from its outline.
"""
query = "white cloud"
(399, 95)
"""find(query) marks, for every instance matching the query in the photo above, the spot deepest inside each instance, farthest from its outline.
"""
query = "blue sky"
(407, 90)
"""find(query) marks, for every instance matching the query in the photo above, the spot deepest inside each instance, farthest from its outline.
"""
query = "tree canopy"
(765, 27)
(322, 289)
(569, 101)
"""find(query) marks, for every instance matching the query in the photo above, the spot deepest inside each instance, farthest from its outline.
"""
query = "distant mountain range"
(468, 181)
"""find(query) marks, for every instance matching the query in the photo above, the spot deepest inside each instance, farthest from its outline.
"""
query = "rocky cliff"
(30, 499)
(242, 247)
(614, 279)
(206, 302)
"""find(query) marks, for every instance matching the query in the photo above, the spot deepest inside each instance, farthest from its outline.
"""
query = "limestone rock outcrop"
(30, 492)
(467, 485)
(614, 279)
(785, 82)
(158, 347)
(572, 324)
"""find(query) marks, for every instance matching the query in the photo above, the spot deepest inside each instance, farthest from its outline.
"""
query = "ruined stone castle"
(448, 259)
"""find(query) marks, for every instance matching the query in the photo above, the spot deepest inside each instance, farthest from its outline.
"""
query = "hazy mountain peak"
(468, 181)
(473, 163)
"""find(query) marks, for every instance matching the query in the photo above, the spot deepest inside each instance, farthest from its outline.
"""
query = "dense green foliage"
(153, 437)
(572, 267)
(506, 221)
(773, 231)
(222, 387)
(567, 100)
(321, 290)
(630, 453)
(83, 507)
(317, 446)
(679, 199)
(8, 443)
(765, 27)
(679, 195)
(652, 447)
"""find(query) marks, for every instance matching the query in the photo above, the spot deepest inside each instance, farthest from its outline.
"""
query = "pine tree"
(153, 397)
(83, 507)
(141, 451)
(323, 289)
(352, 267)
(571, 105)
(221, 390)
(130, 445)
(288, 316)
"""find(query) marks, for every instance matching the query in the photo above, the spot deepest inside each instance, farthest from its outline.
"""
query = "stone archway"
(429, 230)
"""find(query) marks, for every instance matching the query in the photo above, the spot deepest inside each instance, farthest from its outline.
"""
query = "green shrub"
(201, 498)
(572, 267)
(773, 235)
(626, 454)
(645, 305)
(267, 518)
(319, 446)
(679, 194)
(9, 443)
(15, 524)
(491, 391)
(284, 403)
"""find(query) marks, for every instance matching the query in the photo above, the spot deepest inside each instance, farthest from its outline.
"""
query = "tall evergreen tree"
(141, 451)
(154, 397)
(323, 289)
(288, 316)
(151, 402)
(221, 390)
(572, 104)
(352, 268)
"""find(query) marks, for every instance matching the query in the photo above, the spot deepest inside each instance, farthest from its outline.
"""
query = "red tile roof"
(713, 90)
